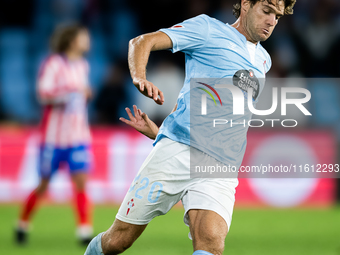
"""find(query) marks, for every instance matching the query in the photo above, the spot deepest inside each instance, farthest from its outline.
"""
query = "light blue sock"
(200, 252)
(95, 246)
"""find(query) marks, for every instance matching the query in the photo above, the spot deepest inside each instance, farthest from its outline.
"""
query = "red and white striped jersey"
(61, 89)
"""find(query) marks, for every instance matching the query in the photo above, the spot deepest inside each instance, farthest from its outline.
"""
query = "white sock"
(95, 246)
(200, 252)
(84, 231)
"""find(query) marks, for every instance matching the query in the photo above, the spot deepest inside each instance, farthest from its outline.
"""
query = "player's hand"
(141, 122)
(149, 90)
(88, 93)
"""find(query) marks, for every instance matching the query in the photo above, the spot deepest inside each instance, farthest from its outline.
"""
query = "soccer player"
(212, 50)
(63, 89)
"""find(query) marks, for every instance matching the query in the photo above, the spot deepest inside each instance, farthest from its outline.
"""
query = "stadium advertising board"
(118, 153)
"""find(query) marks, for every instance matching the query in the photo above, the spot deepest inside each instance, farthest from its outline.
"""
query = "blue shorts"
(78, 158)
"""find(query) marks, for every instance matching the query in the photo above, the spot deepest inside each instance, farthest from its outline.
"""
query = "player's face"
(81, 43)
(262, 18)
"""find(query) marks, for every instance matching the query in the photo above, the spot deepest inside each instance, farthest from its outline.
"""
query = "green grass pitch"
(253, 232)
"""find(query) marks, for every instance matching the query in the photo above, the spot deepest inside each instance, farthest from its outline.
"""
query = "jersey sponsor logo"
(245, 79)
(177, 26)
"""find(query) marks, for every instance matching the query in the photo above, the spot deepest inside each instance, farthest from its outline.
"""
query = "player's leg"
(130, 221)
(118, 238)
(28, 209)
(83, 208)
(208, 230)
(208, 207)
(82, 202)
(31, 201)
(48, 164)
(154, 191)
(79, 163)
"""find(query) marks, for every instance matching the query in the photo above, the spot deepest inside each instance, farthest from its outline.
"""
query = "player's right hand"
(148, 89)
(88, 94)
(141, 122)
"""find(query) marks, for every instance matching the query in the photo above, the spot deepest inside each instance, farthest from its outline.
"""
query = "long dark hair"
(63, 36)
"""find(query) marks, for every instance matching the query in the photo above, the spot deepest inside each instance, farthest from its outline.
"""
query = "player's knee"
(79, 180)
(41, 189)
(80, 187)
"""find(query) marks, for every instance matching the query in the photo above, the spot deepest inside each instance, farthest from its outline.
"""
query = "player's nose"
(271, 20)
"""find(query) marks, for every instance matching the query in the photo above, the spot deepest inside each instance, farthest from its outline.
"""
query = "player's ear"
(245, 5)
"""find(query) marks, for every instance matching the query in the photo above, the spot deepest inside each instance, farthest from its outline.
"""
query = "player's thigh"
(208, 205)
(120, 236)
(208, 230)
(217, 195)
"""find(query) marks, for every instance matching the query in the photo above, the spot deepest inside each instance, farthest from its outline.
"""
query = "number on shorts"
(158, 192)
(146, 179)
(134, 183)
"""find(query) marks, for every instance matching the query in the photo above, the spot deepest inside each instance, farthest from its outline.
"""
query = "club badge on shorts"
(130, 205)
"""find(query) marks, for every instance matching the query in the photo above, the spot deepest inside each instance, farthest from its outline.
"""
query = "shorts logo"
(130, 205)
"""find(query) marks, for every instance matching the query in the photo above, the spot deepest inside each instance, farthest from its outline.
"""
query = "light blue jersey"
(213, 50)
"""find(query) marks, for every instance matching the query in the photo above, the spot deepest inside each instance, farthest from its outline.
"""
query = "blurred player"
(212, 50)
(64, 90)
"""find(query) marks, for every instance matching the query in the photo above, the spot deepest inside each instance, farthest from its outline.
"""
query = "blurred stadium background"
(272, 216)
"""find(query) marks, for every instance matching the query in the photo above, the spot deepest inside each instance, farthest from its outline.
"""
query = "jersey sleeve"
(47, 85)
(190, 35)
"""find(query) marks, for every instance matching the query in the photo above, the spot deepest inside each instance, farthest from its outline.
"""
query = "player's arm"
(139, 52)
(88, 93)
(47, 89)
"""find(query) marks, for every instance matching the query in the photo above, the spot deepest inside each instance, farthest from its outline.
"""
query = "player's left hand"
(141, 122)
